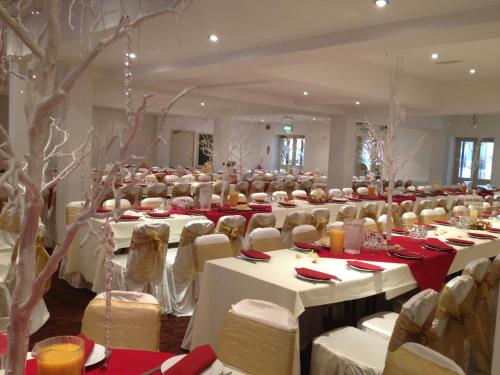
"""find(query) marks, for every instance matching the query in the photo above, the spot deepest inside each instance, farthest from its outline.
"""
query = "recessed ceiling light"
(261, 120)
(381, 3)
(314, 118)
(306, 93)
(472, 71)
(435, 56)
(213, 38)
(21, 91)
(202, 104)
(357, 102)
(132, 55)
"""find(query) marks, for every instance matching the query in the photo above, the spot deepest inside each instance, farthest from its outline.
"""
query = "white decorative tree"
(381, 142)
(46, 88)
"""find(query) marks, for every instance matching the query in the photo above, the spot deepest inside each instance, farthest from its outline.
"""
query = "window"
(365, 165)
(205, 148)
(291, 151)
(473, 160)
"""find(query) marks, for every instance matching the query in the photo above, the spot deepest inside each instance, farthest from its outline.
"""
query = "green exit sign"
(287, 128)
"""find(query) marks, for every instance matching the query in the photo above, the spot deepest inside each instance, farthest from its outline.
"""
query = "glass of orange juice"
(60, 355)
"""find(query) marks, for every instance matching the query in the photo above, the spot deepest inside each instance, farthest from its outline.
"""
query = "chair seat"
(348, 350)
(381, 323)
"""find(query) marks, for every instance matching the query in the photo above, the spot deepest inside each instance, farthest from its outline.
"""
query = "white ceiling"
(338, 50)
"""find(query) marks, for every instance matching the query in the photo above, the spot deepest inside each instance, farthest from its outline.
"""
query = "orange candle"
(233, 198)
(337, 241)
(61, 359)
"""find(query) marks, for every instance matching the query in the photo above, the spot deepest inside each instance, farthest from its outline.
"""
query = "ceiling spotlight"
(261, 120)
(306, 93)
(202, 104)
(472, 71)
(357, 102)
(132, 55)
(435, 56)
(21, 91)
(213, 38)
(314, 118)
(381, 3)
(33, 76)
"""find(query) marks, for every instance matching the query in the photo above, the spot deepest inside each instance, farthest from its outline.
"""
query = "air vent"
(449, 62)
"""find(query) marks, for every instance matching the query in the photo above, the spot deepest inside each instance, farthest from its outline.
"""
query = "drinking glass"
(60, 355)
(4, 322)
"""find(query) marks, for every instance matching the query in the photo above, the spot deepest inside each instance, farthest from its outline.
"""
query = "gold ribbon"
(321, 224)
(151, 262)
(462, 323)
(10, 223)
(346, 212)
(297, 218)
(406, 330)
(261, 221)
(187, 239)
(231, 232)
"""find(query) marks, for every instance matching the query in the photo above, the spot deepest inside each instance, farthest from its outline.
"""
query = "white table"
(227, 281)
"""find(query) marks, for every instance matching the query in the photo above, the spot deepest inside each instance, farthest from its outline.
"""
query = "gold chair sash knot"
(406, 330)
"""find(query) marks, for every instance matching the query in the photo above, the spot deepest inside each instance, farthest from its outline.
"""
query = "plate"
(302, 249)
(216, 369)
(362, 269)
(459, 243)
(481, 236)
(96, 356)
(428, 247)
(255, 259)
(442, 222)
(313, 280)
(417, 256)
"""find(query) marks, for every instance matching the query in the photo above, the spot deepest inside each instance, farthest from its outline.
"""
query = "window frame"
(475, 151)
(293, 139)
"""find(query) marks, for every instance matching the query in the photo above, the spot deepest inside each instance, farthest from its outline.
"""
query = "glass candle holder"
(60, 355)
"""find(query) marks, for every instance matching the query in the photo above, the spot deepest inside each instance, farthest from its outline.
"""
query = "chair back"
(414, 323)
(305, 233)
(362, 190)
(493, 279)
(182, 202)
(305, 184)
(322, 218)
(443, 203)
(415, 359)
(218, 187)
(280, 194)
(110, 204)
(133, 194)
(459, 211)
(289, 187)
(347, 212)
(334, 193)
(147, 254)
(406, 206)
(427, 216)
(73, 209)
(258, 197)
(408, 219)
(157, 189)
(216, 199)
(370, 210)
(440, 214)
(136, 320)
(232, 226)
(181, 190)
(347, 192)
(242, 187)
(152, 202)
(382, 223)
(265, 239)
(292, 220)
(209, 247)
(275, 186)
(369, 225)
(299, 194)
(422, 205)
(257, 186)
(258, 337)
(263, 220)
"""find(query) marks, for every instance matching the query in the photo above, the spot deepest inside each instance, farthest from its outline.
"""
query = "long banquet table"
(227, 281)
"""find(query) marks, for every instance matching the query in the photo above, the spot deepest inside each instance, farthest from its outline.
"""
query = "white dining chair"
(280, 194)
(460, 210)
(152, 202)
(334, 193)
(258, 197)
(440, 214)
(427, 216)
(265, 239)
(305, 233)
(408, 219)
(362, 190)
(110, 204)
(299, 194)
(346, 192)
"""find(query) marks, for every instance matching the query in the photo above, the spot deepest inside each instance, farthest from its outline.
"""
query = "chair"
(493, 278)
(258, 197)
(110, 204)
(347, 192)
(397, 211)
(289, 187)
(382, 223)
(458, 211)
(440, 214)
(422, 205)
(411, 188)
(158, 189)
(204, 178)
(182, 190)
(408, 219)
(334, 193)
(171, 178)
(257, 186)
(306, 185)
(182, 202)
(216, 199)
(427, 216)
(318, 193)
(73, 209)
(322, 218)
(133, 194)
(415, 359)
(406, 206)
(242, 198)
(305, 233)
(487, 208)
(347, 212)
(280, 194)
(242, 187)
(232, 226)
(362, 190)
(218, 187)
(259, 337)
(292, 220)
(152, 202)
(265, 239)
(135, 320)
(369, 225)
(263, 220)
(143, 268)
(370, 210)
(458, 326)
(183, 268)
(443, 203)
(299, 194)
(275, 186)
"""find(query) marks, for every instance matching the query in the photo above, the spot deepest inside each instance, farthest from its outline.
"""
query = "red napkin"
(89, 346)
(312, 274)
(461, 241)
(494, 230)
(287, 204)
(143, 208)
(338, 200)
(102, 210)
(398, 230)
(300, 197)
(429, 226)
(195, 362)
(255, 254)
(259, 206)
(129, 217)
(438, 244)
(482, 235)
(366, 266)
(159, 214)
(308, 246)
(442, 222)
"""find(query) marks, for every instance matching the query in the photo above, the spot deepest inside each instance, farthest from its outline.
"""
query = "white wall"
(108, 121)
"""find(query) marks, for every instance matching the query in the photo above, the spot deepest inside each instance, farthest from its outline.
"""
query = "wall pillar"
(342, 152)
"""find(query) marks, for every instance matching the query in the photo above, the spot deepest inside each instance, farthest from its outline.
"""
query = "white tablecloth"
(227, 281)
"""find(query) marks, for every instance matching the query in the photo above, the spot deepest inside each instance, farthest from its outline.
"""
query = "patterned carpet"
(66, 306)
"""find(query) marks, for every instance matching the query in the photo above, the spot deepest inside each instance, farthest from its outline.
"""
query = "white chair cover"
(265, 239)
(305, 233)
(369, 225)
(347, 192)
(440, 214)
(460, 211)
(110, 204)
(232, 226)
(408, 219)
(292, 220)
(216, 199)
(427, 216)
(335, 193)
(280, 194)
(362, 190)
(183, 202)
(299, 194)
(258, 197)
(152, 202)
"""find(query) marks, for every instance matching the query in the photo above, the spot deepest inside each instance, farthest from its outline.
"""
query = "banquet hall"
(233, 187)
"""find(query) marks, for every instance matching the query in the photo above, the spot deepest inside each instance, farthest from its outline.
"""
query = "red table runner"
(215, 214)
(429, 272)
(121, 362)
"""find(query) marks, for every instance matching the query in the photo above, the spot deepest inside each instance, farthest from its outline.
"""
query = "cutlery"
(152, 371)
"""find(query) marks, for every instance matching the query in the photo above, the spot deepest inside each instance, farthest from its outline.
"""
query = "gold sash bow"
(231, 232)
(151, 260)
(321, 224)
(406, 330)
(9, 223)
(463, 323)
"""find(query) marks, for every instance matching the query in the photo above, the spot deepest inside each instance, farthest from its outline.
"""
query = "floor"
(67, 304)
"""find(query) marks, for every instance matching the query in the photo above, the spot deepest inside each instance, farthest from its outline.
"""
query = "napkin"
(407, 254)
(102, 210)
(494, 230)
(308, 246)
(130, 217)
(461, 241)
(301, 197)
(258, 206)
(255, 254)
(195, 362)
(482, 235)
(89, 346)
(287, 204)
(366, 266)
(143, 208)
(429, 226)
(438, 244)
(398, 230)
(312, 274)
(158, 214)
(443, 222)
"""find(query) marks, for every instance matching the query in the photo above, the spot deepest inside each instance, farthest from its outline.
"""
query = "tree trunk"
(18, 334)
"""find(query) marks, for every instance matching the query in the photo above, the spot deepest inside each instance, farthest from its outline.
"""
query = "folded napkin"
(494, 230)
(158, 214)
(442, 222)
(309, 246)
(366, 266)
(143, 208)
(258, 206)
(460, 241)
(338, 200)
(102, 210)
(195, 362)
(482, 235)
(438, 244)
(129, 217)
(255, 254)
(287, 204)
(312, 274)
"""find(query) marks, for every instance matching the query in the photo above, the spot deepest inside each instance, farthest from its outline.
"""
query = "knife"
(152, 371)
